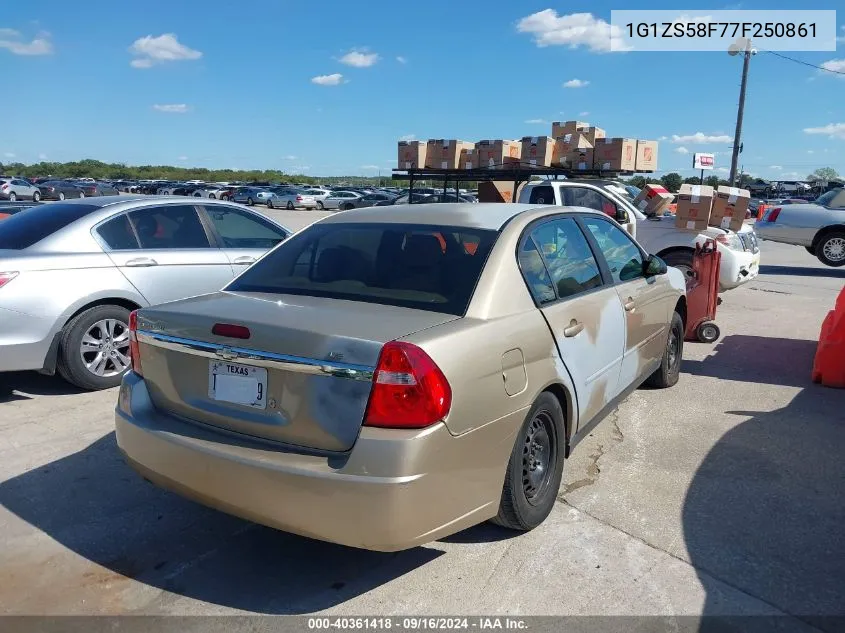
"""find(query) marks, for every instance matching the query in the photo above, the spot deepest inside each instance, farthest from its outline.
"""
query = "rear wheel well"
(834, 228)
(675, 249)
(560, 392)
(124, 303)
(681, 308)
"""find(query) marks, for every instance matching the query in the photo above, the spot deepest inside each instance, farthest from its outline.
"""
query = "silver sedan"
(337, 199)
(70, 273)
(817, 226)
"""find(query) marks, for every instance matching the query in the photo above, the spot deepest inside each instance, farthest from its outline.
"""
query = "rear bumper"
(394, 490)
(25, 341)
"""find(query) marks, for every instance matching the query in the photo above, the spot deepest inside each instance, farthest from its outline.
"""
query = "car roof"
(483, 215)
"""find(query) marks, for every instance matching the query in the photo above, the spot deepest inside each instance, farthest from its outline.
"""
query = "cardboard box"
(574, 151)
(646, 156)
(594, 134)
(729, 207)
(653, 199)
(445, 153)
(578, 159)
(694, 205)
(616, 154)
(538, 151)
(498, 191)
(499, 154)
(569, 127)
(469, 159)
(411, 154)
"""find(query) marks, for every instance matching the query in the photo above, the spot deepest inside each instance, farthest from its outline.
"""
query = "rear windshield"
(414, 266)
(29, 227)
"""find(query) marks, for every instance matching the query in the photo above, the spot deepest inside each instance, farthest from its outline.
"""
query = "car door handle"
(630, 305)
(574, 329)
(246, 259)
(140, 262)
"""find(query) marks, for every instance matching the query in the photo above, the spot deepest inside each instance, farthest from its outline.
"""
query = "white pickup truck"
(740, 251)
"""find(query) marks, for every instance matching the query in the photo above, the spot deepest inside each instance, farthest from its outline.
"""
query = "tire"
(811, 250)
(270, 203)
(670, 365)
(72, 361)
(36, 197)
(708, 332)
(211, 196)
(320, 205)
(13, 196)
(289, 206)
(831, 249)
(61, 195)
(528, 496)
(249, 202)
(81, 194)
(682, 260)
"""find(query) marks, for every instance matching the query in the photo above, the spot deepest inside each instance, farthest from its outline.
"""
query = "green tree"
(692, 180)
(712, 181)
(637, 181)
(823, 173)
(672, 181)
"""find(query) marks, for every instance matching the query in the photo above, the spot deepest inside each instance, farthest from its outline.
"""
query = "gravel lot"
(720, 496)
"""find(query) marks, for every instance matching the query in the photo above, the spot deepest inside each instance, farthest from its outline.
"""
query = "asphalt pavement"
(720, 496)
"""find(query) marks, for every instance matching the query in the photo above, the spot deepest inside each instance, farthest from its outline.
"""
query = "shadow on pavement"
(757, 359)
(765, 512)
(31, 383)
(94, 505)
(801, 271)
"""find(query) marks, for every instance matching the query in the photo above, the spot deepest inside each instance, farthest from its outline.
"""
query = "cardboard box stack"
(569, 127)
(574, 151)
(615, 154)
(538, 151)
(694, 206)
(653, 199)
(729, 207)
(499, 154)
(469, 159)
(411, 154)
(445, 153)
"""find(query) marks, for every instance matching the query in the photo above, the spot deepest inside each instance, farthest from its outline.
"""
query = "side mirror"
(653, 265)
(621, 216)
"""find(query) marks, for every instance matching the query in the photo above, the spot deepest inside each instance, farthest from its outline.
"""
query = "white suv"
(658, 234)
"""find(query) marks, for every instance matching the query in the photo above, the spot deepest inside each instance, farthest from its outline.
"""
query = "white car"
(338, 198)
(740, 251)
(211, 191)
(319, 195)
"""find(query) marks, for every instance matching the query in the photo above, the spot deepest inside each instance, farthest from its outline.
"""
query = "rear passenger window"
(535, 274)
(542, 195)
(239, 230)
(176, 226)
(117, 234)
(567, 256)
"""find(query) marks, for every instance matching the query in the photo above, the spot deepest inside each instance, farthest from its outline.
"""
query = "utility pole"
(741, 110)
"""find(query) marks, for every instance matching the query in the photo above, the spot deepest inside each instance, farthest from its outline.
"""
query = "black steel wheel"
(669, 372)
(535, 468)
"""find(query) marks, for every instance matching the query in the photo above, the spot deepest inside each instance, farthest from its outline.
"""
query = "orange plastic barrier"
(829, 365)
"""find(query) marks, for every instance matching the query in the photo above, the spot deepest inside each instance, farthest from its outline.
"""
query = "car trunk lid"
(302, 377)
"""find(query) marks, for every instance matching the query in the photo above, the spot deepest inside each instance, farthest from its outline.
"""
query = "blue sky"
(255, 84)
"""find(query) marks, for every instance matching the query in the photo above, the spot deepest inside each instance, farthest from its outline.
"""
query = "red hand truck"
(703, 294)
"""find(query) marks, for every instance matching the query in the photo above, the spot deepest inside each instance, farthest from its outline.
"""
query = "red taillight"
(409, 390)
(230, 330)
(773, 214)
(5, 186)
(134, 348)
(7, 277)
(299, 198)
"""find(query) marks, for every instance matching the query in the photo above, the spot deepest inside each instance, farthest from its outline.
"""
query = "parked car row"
(17, 188)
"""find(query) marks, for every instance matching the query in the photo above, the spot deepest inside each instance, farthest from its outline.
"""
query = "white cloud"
(301, 168)
(576, 83)
(149, 51)
(583, 114)
(327, 80)
(536, 121)
(359, 59)
(290, 157)
(663, 138)
(809, 151)
(699, 138)
(835, 66)
(183, 158)
(13, 41)
(723, 170)
(776, 167)
(173, 108)
(833, 130)
(682, 150)
(401, 60)
(42, 157)
(791, 174)
(573, 30)
(9, 155)
(408, 137)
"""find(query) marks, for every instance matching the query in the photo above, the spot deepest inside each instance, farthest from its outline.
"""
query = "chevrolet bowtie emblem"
(226, 353)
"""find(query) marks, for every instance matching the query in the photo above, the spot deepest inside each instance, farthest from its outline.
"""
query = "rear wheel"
(535, 468)
(249, 202)
(94, 348)
(61, 195)
(290, 206)
(320, 205)
(682, 260)
(81, 194)
(831, 249)
(13, 196)
(270, 203)
(670, 365)
(36, 197)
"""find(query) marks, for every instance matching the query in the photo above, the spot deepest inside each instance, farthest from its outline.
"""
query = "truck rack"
(517, 174)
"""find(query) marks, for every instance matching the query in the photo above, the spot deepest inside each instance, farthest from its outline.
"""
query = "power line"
(799, 61)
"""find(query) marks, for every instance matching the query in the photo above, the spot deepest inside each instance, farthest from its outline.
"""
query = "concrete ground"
(721, 496)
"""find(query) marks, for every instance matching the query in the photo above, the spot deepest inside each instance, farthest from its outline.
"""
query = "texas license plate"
(239, 384)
